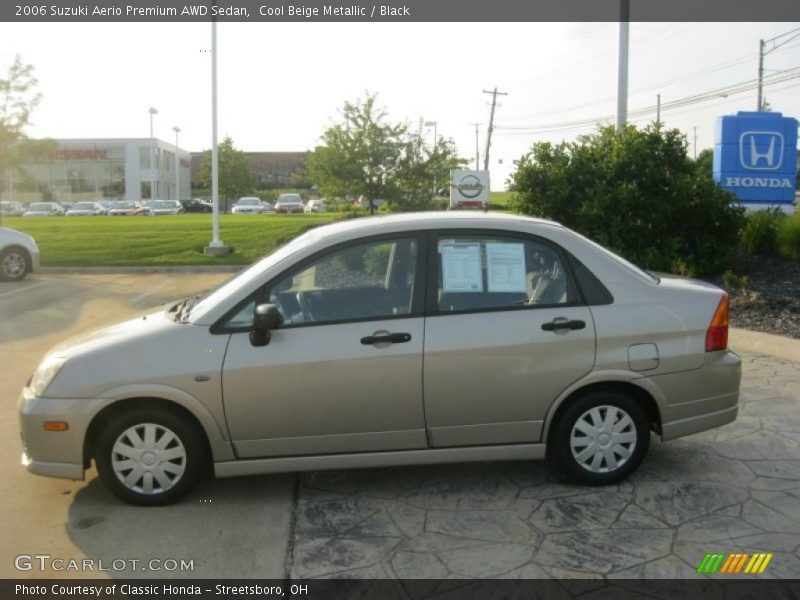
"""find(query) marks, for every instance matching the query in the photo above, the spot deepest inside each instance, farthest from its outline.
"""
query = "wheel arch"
(144, 402)
(637, 393)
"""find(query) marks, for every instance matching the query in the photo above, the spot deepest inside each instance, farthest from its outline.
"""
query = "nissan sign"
(469, 189)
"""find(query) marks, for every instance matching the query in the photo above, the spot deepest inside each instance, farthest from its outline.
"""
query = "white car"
(86, 209)
(11, 209)
(315, 206)
(19, 255)
(249, 205)
(289, 203)
(44, 209)
(165, 207)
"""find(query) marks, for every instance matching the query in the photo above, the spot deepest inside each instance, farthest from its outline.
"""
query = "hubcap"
(148, 458)
(14, 265)
(603, 439)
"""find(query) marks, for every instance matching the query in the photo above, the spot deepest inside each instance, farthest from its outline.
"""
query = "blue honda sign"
(755, 158)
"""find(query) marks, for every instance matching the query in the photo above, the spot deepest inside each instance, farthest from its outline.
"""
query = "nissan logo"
(470, 186)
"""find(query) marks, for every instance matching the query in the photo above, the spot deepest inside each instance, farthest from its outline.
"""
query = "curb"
(141, 269)
(776, 346)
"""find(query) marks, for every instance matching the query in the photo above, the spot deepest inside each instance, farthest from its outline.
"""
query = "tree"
(705, 162)
(420, 167)
(18, 99)
(636, 192)
(236, 176)
(359, 157)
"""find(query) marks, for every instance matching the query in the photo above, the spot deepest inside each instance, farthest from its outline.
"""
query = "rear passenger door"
(506, 332)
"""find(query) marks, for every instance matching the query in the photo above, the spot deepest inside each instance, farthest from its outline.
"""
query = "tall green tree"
(360, 155)
(636, 192)
(236, 176)
(18, 99)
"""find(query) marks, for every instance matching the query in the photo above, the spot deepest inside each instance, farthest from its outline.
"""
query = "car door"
(343, 373)
(505, 334)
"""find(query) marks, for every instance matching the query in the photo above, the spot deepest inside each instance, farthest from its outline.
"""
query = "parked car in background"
(19, 255)
(86, 209)
(249, 205)
(317, 205)
(164, 207)
(11, 209)
(289, 203)
(44, 209)
(126, 208)
(438, 337)
(195, 205)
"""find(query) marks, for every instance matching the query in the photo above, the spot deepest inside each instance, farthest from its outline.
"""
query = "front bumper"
(53, 453)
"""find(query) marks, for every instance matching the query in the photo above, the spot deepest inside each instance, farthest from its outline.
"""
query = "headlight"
(45, 374)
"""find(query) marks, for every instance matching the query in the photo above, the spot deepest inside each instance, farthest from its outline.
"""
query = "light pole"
(435, 142)
(153, 111)
(215, 246)
(177, 130)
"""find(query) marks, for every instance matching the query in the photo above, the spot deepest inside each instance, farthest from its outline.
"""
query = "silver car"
(19, 255)
(405, 339)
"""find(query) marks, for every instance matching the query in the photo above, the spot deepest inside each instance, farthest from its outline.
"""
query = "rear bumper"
(695, 401)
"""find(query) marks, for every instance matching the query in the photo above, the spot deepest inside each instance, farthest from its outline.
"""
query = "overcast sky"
(282, 84)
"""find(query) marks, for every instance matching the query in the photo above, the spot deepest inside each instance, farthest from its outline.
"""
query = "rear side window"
(594, 292)
(497, 272)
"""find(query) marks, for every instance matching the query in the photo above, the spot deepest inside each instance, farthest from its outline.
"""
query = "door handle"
(389, 338)
(557, 324)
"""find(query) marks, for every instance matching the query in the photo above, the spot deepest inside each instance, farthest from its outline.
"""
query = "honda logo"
(761, 150)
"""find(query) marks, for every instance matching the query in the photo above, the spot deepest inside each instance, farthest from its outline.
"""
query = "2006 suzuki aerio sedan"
(406, 339)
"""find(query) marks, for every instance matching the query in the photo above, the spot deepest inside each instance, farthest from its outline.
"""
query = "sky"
(282, 84)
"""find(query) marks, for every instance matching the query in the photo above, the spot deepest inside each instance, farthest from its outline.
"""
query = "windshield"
(163, 204)
(124, 205)
(249, 202)
(39, 206)
(289, 198)
(83, 206)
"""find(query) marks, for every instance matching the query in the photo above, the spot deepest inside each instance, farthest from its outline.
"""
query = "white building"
(93, 169)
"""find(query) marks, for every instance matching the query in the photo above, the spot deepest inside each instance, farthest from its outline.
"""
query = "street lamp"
(435, 141)
(153, 111)
(177, 130)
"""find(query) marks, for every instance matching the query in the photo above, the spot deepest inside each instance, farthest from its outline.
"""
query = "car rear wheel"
(601, 438)
(14, 264)
(150, 456)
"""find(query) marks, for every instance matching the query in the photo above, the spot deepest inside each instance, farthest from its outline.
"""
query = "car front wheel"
(14, 264)
(150, 456)
(601, 438)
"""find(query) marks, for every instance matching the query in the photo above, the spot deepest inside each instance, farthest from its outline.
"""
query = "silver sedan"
(405, 339)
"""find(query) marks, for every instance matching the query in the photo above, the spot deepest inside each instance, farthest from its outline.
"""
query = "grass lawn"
(166, 240)
(499, 199)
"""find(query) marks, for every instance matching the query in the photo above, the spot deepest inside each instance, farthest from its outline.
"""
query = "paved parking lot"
(736, 489)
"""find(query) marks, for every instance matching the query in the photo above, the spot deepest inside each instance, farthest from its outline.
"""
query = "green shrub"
(760, 235)
(635, 192)
(789, 237)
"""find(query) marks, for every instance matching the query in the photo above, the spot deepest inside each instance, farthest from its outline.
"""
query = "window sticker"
(461, 267)
(505, 265)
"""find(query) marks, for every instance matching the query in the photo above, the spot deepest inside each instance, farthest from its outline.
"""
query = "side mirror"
(266, 319)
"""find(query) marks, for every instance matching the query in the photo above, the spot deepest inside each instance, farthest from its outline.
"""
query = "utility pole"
(658, 109)
(477, 152)
(494, 94)
(622, 70)
(761, 46)
(762, 52)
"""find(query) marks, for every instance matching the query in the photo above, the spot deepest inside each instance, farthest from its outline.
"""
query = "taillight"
(717, 334)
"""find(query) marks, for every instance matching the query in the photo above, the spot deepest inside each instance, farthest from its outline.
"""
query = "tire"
(14, 264)
(129, 459)
(590, 455)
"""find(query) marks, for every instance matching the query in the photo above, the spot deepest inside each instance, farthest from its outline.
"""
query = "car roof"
(429, 220)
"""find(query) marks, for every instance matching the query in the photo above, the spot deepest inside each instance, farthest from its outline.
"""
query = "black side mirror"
(266, 319)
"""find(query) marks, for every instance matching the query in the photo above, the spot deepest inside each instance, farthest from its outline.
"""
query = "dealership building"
(94, 169)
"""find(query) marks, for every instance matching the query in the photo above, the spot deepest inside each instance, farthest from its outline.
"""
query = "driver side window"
(371, 280)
